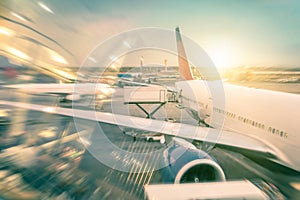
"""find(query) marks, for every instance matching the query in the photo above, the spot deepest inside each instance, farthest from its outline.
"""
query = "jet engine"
(187, 164)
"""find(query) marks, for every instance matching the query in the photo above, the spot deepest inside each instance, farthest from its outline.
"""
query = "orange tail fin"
(184, 67)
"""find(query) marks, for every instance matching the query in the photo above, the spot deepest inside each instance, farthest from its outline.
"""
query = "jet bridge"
(148, 95)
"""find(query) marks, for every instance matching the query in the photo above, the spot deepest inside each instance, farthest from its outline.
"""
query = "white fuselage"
(269, 116)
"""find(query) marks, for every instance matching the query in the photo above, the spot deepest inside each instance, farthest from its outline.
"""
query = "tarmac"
(76, 170)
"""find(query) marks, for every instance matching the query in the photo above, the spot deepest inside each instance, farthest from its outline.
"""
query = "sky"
(232, 32)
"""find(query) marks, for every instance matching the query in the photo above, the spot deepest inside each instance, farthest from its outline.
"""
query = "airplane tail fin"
(184, 67)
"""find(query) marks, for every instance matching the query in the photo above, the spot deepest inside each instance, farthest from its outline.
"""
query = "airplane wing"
(186, 131)
(62, 89)
(51, 88)
(142, 84)
(124, 82)
(132, 83)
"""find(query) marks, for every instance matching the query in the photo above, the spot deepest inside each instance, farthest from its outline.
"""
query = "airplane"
(252, 120)
(70, 91)
(256, 113)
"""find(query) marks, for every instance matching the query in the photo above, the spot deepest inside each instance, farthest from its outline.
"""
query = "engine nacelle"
(186, 164)
(73, 97)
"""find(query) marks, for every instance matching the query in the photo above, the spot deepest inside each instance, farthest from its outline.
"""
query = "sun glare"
(221, 59)
(223, 55)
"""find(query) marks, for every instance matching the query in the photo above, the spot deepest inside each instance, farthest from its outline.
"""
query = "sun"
(224, 55)
(222, 59)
